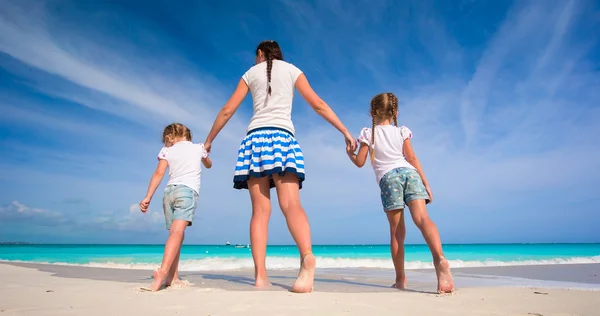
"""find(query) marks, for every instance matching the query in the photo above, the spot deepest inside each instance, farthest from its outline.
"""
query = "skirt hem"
(240, 182)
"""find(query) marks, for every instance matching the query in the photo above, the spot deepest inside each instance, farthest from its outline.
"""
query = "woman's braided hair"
(383, 106)
(271, 51)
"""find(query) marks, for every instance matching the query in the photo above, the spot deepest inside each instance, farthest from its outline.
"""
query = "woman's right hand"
(207, 146)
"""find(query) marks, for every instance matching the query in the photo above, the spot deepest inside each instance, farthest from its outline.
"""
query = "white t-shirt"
(389, 152)
(273, 110)
(184, 159)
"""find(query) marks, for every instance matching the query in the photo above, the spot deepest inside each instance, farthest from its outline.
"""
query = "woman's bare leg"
(260, 196)
(288, 194)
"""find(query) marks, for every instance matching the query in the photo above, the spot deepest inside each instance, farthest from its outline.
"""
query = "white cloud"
(25, 34)
(17, 211)
(16, 214)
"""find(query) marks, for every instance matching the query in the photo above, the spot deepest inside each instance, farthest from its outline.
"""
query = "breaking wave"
(287, 263)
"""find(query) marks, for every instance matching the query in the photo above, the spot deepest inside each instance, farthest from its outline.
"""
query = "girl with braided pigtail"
(402, 181)
(270, 155)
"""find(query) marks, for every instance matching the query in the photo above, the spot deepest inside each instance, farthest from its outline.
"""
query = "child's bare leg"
(397, 236)
(172, 247)
(173, 277)
(418, 211)
(289, 201)
(260, 196)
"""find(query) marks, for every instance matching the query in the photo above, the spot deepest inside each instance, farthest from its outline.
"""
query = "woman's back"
(272, 110)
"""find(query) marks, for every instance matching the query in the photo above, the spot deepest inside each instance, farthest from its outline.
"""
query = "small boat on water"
(227, 244)
(242, 246)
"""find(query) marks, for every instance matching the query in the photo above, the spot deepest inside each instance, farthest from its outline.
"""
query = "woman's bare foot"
(306, 277)
(442, 270)
(159, 279)
(262, 283)
(261, 280)
(400, 284)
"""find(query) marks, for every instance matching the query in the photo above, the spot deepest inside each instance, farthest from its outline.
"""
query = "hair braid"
(269, 58)
(384, 106)
(270, 51)
(394, 104)
(372, 149)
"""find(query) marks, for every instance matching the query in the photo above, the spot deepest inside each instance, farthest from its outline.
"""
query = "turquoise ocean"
(230, 257)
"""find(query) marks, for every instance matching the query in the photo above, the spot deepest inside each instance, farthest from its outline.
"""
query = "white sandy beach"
(63, 290)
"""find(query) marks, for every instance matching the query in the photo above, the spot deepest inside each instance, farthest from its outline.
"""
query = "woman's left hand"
(350, 142)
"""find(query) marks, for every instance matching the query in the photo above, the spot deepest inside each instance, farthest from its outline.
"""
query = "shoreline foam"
(291, 263)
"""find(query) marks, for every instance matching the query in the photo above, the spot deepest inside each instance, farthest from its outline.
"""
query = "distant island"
(17, 243)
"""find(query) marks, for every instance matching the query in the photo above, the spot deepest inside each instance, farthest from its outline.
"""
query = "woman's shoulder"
(257, 67)
(287, 65)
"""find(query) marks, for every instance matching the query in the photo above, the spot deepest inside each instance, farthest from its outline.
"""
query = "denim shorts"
(179, 202)
(400, 186)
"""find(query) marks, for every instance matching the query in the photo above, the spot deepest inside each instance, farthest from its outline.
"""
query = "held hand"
(144, 205)
(350, 142)
(428, 189)
(207, 146)
(349, 150)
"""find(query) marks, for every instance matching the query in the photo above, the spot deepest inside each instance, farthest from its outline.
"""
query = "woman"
(269, 156)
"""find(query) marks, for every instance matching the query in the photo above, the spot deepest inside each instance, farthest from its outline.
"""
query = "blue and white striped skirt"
(265, 152)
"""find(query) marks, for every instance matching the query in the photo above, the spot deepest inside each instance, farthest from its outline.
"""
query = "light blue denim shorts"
(400, 186)
(179, 202)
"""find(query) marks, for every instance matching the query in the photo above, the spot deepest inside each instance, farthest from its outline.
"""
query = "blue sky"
(502, 99)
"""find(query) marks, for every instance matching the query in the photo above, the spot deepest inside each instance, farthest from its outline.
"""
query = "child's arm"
(157, 177)
(412, 159)
(360, 158)
(207, 162)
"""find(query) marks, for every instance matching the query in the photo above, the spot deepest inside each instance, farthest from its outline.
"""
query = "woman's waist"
(258, 123)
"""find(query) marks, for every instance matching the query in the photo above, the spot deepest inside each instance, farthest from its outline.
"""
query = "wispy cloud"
(18, 215)
(27, 35)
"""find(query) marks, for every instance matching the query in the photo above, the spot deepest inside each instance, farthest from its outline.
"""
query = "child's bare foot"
(400, 284)
(159, 279)
(442, 270)
(173, 281)
(178, 283)
(306, 277)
